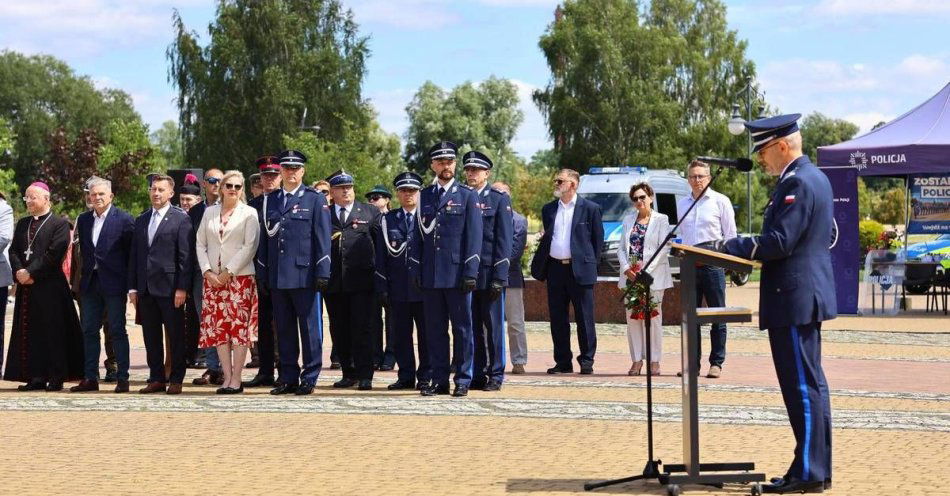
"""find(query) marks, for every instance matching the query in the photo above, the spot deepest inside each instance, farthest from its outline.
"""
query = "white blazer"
(657, 230)
(236, 247)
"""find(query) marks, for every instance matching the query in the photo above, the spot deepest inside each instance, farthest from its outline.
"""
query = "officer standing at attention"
(451, 226)
(384, 357)
(797, 293)
(398, 253)
(488, 299)
(294, 260)
(355, 225)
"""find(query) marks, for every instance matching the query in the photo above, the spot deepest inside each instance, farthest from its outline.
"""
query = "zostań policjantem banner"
(929, 204)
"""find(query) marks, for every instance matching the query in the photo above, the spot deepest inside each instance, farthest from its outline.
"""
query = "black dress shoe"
(54, 386)
(792, 485)
(434, 389)
(259, 381)
(345, 383)
(284, 389)
(253, 364)
(460, 390)
(587, 369)
(385, 367)
(561, 369)
(122, 386)
(111, 376)
(365, 385)
(32, 386)
(778, 480)
(479, 383)
(422, 385)
(401, 385)
(493, 385)
(304, 389)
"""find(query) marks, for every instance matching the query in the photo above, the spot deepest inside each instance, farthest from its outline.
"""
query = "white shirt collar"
(480, 190)
(409, 212)
(786, 167)
(569, 204)
(294, 192)
(348, 208)
(448, 185)
(162, 211)
(104, 214)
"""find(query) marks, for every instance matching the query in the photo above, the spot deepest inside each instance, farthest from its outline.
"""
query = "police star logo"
(858, 159)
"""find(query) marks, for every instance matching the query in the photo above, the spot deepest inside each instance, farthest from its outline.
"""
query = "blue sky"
(860, 60)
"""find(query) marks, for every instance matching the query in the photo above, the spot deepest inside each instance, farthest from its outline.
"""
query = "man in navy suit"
(797, 293)
(398, 255)
(451, 226)
(105, 239)
(160, 271)
(488, 299)
(567, 258)
(514, 293)
(293, 258)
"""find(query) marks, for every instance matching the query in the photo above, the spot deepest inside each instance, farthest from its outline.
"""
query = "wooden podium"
(691, 471)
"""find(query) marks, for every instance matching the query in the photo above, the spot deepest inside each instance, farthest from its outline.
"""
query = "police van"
(609, 187)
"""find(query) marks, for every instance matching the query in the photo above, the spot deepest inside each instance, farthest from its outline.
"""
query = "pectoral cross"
(28, 252)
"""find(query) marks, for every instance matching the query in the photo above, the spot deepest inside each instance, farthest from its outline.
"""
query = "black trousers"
(382, 355)
(563, 290)
(157, 312)
(351, 332)
(265, 332)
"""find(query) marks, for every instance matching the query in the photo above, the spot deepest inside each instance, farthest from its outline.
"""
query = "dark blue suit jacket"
(166, 265)
(497, 237)
(587, 241)
(515, 275)
(299, 252)
(111, 252)
(451, 250)
(398, 268)
(798, 285)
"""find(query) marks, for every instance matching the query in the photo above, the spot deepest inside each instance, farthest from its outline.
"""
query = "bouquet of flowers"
(637, 298)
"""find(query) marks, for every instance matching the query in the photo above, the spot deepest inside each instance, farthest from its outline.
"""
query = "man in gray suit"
(514, 297)
(6, 275)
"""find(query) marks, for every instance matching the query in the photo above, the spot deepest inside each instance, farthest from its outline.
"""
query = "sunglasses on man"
(212, 180)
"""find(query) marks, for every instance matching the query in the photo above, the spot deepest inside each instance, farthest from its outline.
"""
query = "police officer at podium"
(797, 293)
(451, 226)
(488, 299)
(398, 255)
(294, 260)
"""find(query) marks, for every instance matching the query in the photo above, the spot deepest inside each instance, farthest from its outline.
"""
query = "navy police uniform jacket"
(298, 253)
(798, 285)
(587, 241)
(352, 248)
(398, 255)
(451, 236)
(497, 238)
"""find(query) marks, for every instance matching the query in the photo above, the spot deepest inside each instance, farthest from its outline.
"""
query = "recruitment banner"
(845, 246)
(929, 204)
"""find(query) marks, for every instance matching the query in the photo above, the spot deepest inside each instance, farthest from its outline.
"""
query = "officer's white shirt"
(712, 219)
(561, 238)
(448, 185)
(288, 194)
(348, 208)
(97, 222)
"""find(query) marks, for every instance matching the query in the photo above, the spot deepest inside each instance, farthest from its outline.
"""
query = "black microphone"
(740, 164)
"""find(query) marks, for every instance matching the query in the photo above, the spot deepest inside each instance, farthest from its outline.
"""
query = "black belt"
(566, 261)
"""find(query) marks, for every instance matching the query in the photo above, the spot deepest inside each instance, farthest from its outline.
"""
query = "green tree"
(269, 68)
(168, 146)
(820, 130)
(890, 208)
(125, 160)
(7, 144)
(40, 95)
(482, 117)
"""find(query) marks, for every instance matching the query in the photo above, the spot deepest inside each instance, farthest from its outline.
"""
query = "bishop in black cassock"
(46, 346)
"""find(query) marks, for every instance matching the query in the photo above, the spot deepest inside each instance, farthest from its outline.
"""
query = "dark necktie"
(409, 220)
(441, 192)
(342, 216)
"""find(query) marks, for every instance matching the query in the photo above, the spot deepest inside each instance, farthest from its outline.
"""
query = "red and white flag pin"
(789, 199)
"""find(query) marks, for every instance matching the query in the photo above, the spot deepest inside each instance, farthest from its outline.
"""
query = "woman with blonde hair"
(644, 231)
(226, 244)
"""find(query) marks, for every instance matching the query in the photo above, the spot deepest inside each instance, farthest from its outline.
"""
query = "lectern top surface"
(725, 257)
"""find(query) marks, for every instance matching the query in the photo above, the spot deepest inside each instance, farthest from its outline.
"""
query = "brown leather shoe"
(174, 389)
(85, 385)
(204, 380)
(715, 372)
(153, 387)
(517, 369)
(122, 386)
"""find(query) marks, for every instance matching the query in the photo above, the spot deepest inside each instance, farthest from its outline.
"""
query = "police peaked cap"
(442, 150)
(476, 159)
(765, 130)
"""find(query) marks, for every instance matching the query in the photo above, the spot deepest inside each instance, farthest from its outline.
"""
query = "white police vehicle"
(609, 187)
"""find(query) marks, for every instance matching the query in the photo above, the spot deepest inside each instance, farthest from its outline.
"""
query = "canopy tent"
(917, 142)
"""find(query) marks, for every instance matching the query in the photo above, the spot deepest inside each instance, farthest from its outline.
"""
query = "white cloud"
(923, 66)
(879, 7)
(867, 120)
(406, 14)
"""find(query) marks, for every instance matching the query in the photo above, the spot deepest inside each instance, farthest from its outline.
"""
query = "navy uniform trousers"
(562, 290)
(301, 309)
(404, 313)
(265, 331)
(442, 305)
(796, 353)
(488, 320)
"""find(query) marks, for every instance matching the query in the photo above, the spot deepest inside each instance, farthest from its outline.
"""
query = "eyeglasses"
(212, 180)
(235, 187)
(698, 177)
(30, 198)
(323, 192)
(373, 198)
(766, 147)
(640, 198)
(559, 181)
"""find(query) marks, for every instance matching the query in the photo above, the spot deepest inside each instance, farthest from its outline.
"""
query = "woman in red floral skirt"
(226, 243)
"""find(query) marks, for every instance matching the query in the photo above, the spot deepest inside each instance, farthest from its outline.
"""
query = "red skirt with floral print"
(229, 314)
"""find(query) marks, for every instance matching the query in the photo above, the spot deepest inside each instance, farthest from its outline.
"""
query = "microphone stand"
(652, 468)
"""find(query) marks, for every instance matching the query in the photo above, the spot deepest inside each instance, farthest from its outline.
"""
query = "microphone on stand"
(740, 164)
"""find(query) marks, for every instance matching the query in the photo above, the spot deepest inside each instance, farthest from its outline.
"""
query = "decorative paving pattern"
(545, 409)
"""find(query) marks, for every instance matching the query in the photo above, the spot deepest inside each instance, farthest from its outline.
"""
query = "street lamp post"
(737, 127)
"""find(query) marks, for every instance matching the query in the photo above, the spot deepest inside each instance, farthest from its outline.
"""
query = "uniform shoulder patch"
(463, 185)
